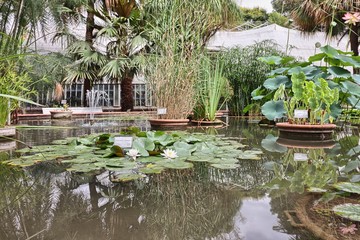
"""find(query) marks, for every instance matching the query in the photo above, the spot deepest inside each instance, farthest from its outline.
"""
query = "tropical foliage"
(246, 73)
(100, 152)
(336, 76)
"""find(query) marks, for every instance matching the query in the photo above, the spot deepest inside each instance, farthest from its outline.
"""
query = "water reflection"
(47, 202)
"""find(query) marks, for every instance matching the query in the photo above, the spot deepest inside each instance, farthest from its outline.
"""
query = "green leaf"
(348, 187)
(127, 177)
(176, 164)
(348, 210)
(269, 143)
(272, 60)
(275, 82)
(339, 72)
(317, 57)
(355, 178)
(273, 109)
(20, 99)
(351, 88)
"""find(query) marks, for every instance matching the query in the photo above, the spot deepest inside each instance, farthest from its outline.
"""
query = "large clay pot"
(311, 132)
(168, 123)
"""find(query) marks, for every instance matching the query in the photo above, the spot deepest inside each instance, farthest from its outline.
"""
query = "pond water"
(47, 202)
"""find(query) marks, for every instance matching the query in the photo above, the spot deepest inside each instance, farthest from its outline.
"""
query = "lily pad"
(349, 211)
(127, 177)
(151, 168)
(176, 164)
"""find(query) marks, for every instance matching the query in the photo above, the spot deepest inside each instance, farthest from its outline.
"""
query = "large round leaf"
(273, 109)
(274, 83)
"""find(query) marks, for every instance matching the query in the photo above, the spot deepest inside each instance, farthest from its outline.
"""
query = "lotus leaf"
(273, 109)
(339, 72)
(275, 82)
(270, 144)
(348, 210)
(348, 187)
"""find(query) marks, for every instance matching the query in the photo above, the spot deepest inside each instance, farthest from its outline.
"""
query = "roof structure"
(292, 41)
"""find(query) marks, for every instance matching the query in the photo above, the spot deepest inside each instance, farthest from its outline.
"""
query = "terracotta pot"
(60, 114)
(314, 132)
(290, 143)
(168, 123)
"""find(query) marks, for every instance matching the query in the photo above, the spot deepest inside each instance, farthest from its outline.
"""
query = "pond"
(45, 201)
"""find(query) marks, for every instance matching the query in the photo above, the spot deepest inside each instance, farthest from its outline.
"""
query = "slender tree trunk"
(89, 37)
(354, 43)
(127, 99)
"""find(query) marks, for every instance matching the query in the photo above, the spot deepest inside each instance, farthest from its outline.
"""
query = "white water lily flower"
(133, 153)
(169, 154)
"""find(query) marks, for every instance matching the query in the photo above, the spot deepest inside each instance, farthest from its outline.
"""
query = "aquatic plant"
(154, 152)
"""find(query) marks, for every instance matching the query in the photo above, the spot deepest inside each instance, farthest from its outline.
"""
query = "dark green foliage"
(246, 73)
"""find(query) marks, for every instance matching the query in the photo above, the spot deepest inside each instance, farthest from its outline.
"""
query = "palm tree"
(312, 15)
(121, 30)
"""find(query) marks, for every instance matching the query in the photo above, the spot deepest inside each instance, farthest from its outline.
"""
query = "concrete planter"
(7, 131)
(60, 114)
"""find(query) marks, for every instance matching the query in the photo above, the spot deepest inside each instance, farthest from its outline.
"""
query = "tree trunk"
(89, 37)
(127, 99)
(354, 43)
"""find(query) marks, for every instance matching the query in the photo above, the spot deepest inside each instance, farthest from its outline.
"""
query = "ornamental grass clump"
(212, 90)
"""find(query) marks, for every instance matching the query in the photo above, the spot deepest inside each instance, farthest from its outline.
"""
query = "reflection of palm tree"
(195, 206)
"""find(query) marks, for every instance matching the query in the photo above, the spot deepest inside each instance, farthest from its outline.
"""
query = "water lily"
(351, 18)
(133, 153)
(169, 154)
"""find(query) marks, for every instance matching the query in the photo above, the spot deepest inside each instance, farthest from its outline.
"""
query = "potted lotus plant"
(62, 113)
(309, 96)
(307, 106)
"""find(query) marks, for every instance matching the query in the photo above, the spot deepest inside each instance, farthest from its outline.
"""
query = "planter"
(168, 123)
(60, 114)
(7, 131)
(290, 143)
(306, 131)
(7, 145)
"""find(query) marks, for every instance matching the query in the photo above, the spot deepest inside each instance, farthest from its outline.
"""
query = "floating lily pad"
(176, 164)
(349, 211)
(127, 177)
(199, 158)
(151, 168)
